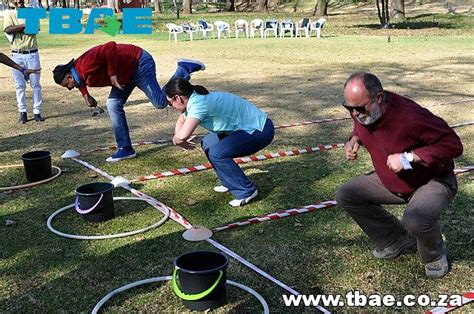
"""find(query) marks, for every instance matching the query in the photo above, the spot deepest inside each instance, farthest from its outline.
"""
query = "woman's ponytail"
(201, 90)
(181, 87)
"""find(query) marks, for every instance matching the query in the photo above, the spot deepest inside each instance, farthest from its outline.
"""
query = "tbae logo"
(68, 21)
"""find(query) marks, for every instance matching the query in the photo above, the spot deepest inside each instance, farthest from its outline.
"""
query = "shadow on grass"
(411, 25)
(422, 21)
(310, 252)
(291, 246)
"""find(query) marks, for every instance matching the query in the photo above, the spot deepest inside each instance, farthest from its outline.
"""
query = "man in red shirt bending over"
(123, 67)
(412, 151)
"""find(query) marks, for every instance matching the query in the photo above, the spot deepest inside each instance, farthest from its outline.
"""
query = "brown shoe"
(439, 268)
(404, 242)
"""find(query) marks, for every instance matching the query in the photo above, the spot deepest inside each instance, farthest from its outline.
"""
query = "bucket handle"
(86, 211)
(193, 297)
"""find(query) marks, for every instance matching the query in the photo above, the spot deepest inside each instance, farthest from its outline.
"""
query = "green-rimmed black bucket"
(95, 201)
(199, 279)
(37, 165)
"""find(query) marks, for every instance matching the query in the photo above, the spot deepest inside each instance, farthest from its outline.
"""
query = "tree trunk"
(383, 13)
(398, 9)
(295, 6)
(157, 6)
(321, 8)
(262, 5)
(176, 6)
(387, 15)
(231, 5)
(187, 6)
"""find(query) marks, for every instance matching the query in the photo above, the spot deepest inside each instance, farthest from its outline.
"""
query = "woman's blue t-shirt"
(221, 112)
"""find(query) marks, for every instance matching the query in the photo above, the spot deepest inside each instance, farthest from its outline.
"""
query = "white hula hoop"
(28, 185)
(101, 237)
(106, 298)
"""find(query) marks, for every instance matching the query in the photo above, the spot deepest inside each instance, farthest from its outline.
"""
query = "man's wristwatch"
(409, 156)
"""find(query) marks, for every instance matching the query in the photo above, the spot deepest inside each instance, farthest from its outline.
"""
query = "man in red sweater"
(412, 151)
(123, 67)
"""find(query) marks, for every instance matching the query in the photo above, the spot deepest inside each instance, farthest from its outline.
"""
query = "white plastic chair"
(222, 28)
(174, 30)
(303, 26)
(241, 26)
(270, 26)
(205, 27)
(189, 28)
(255, 26)
(287, 26)
(317, 26)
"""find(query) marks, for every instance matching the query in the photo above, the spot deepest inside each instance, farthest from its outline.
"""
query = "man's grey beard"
(374, 115)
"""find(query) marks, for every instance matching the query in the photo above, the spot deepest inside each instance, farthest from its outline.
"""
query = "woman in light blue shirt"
(236, 128)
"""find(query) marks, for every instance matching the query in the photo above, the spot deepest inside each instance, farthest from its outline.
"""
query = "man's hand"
(114, 81)
(30, 71)
(90, 101)
(351, 148)
(394, 163)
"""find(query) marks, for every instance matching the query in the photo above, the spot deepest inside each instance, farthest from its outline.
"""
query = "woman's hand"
(183, 132)
(186, 144)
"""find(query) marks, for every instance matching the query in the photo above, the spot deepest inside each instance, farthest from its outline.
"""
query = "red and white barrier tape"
(290, 125)
(467, 297)
(242, 160)
(297, 211)
(153, 202)
(139, 143)
(453, 126)
(463, 169)
(283, 126)
(455, 102)
(182, 221)
(277, 215)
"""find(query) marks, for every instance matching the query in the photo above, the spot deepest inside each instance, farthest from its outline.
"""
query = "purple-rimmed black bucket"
(37, 165)
(95, 201)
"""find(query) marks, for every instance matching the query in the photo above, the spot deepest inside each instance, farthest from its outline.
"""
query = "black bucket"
(202, 279)
(37, 165)
(95, 201)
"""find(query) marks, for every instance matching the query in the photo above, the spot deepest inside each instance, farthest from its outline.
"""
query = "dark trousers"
(222, 149)
(362, 198)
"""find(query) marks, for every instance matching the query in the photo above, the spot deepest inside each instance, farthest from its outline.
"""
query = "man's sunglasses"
(359, 109)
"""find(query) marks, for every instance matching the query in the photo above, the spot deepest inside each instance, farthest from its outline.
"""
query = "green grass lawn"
(323, 252)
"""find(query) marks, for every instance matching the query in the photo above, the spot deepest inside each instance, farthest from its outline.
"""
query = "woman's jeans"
(221, 150)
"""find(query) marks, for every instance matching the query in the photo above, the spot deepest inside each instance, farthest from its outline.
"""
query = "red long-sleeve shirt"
(406, 126)
(98, 64)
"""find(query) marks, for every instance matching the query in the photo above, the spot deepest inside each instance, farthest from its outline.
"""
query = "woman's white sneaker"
(242, 202)
(220, 189)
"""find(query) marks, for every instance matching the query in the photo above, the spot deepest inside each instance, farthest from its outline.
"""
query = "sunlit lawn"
(293, 80)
